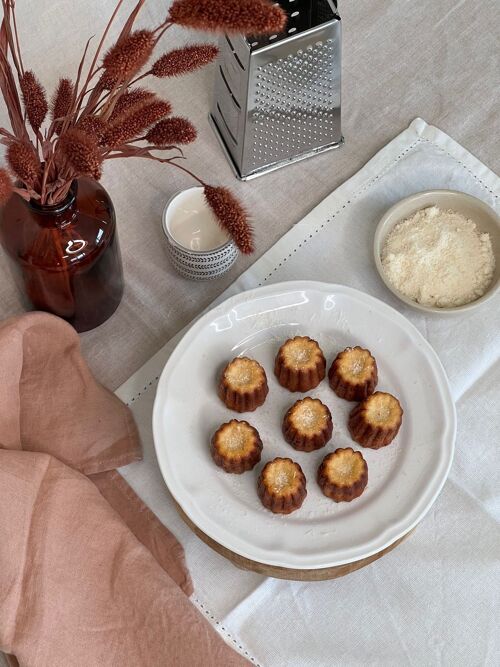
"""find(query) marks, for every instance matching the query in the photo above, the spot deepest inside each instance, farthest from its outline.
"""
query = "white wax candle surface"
(191, 223)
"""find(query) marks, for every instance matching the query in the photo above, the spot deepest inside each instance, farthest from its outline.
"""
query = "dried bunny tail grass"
(107, 82)
(23, 161)
(240, 16)
(126, 58)
(130, 126)
(172, 131)
(231, 216)
(61, 102)
(6, 186)
(94, 127)
(81, 153)
(187, 59)
(129, 100)
(34, 98)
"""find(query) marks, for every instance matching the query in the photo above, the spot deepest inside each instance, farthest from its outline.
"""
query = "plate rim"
(393, 532)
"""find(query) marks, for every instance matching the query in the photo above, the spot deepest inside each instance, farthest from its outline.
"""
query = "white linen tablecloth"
(434, 600)
(439, 60)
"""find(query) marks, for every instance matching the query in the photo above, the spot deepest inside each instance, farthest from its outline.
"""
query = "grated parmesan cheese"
(439, 258)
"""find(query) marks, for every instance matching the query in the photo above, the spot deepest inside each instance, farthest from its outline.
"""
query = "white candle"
(191, 223)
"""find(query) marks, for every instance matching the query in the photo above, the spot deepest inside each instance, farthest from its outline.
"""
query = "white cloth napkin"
(435, 599)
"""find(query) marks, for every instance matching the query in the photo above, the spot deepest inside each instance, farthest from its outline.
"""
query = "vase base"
(83, 324)
(90, 326)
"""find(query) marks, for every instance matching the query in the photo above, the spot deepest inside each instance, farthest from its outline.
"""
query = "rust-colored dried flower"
(231, 216)
(81, 152)
(187, 59)
(129, 126)
(172, 131)
(35, 100)
(107, 82)
(126, 58)
(5, 186)
(23, 161)
(93, 126)
(129, 100)
(241, 16)
(61, 102)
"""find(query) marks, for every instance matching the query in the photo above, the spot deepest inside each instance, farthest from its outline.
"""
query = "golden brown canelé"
(343, 475)
(353, 374)
(236, 446)
(300, 364)
(243, 385)
(375, 421)
(308, 425)
(282, 486)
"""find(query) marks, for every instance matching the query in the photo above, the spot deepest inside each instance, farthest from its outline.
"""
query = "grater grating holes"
(235, 55)
(290, 91)
(294, 91)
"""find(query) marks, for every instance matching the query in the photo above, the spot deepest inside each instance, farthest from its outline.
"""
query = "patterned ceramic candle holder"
(198, 248)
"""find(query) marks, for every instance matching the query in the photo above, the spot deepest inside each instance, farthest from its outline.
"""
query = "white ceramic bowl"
(188, 260)
(485, 218)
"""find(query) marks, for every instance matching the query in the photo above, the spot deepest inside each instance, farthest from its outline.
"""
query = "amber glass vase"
(66, 258)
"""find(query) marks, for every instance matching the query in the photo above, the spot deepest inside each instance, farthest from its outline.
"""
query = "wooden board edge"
(284, 572)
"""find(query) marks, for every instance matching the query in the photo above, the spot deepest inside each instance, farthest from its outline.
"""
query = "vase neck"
(56, 215)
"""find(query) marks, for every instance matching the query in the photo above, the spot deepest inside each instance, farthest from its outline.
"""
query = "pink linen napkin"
(88, 575)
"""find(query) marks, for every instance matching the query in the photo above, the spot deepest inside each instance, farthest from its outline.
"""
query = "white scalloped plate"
(404, 477)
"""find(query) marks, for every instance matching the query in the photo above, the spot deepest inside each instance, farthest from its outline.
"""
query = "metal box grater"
(277, 98)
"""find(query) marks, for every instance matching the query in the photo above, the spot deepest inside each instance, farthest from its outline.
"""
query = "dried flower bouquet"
(103, 114)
